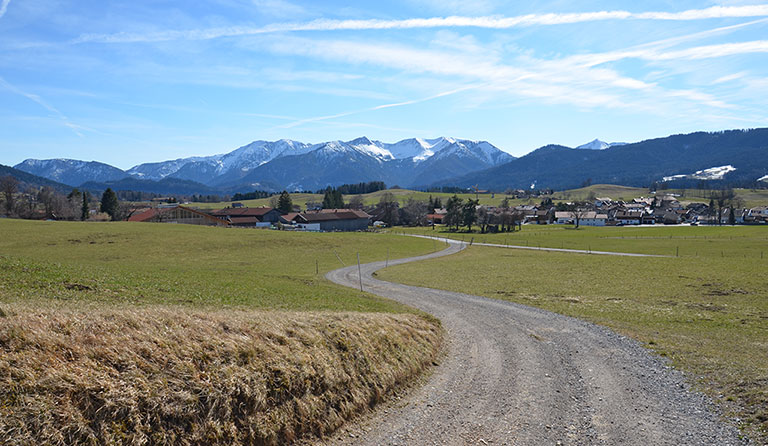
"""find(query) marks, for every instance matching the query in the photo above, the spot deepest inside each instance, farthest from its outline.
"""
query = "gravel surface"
(513, 374)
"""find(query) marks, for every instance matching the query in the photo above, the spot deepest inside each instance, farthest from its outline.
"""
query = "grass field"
(751, 198)
(706, 310)
(143, 263)
(739, 242)
(136, 333)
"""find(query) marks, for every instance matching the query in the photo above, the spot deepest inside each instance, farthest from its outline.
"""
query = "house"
(437, 216)
(593, 218)
(627, 217)
(563, 218)
(249, 217)
(758, 214)
(177, 214)
(334, 220)
(605, 201)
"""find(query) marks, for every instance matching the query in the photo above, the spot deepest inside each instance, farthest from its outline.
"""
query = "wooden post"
(337, 256)
(359, 272)
(317, 267)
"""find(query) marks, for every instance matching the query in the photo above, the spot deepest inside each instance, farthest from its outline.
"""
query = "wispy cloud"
(379, 107)
(492, 22)
(37, 99)
(4, 7)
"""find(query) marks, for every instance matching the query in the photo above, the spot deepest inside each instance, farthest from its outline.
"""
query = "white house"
(594, 219)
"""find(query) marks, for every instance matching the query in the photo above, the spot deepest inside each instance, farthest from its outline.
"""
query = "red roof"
(144, 216)
(242, 212)
(150, 213)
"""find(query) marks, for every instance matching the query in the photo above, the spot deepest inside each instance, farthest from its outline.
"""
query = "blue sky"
(126, 82)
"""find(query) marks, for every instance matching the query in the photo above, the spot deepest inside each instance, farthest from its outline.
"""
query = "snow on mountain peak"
(597, 144)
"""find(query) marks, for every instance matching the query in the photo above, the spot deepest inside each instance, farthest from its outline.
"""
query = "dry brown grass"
(180, 376)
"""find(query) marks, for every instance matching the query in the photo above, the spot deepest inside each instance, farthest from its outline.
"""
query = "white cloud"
(493, 22)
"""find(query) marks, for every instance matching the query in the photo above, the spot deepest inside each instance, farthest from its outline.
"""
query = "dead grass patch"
(181, 376)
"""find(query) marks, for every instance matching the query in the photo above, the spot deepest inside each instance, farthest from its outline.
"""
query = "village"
(661, 210)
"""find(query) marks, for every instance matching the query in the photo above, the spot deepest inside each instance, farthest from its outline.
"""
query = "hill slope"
(679, 157)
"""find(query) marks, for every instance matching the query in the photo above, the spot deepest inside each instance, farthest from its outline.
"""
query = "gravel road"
(518, 375)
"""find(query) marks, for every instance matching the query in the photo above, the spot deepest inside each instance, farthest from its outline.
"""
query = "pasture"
(706, 310)
(135, 333)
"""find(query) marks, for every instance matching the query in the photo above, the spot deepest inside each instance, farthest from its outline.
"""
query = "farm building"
(177, 214)
(592, 218)
(249, 217)
(333, 220)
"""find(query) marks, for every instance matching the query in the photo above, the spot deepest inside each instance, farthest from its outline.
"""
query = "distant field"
(140, 333)
(750, 197)
(706, 310)
(684, 241)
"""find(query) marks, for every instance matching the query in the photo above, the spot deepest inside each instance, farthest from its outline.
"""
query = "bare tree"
(356, 202)
(388, 209)
(415, 212)
(9, 186)
(578, 211)
(47, 197)
(483, 218)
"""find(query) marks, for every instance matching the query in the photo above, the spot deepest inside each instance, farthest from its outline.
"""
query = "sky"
(128, 82)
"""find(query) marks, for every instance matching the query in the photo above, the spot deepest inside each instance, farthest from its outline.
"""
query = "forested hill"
(735, 158)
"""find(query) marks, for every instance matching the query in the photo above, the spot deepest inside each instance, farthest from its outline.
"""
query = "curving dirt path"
(518, 375)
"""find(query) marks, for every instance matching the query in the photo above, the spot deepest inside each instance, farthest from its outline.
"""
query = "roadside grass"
(134, 333)
(708, 314)
(739, 242)
(171, 376)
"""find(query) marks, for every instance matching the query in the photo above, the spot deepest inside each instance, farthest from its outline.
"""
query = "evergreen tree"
(328, 199)
(469, 213)
(84, 209)
(453, 216)
(338, 199)
(284, 203)
(109, 203)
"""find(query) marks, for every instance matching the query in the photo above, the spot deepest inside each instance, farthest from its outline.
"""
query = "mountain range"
(286, 164)
(734, 157)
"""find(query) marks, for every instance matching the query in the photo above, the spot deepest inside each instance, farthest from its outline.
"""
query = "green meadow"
(144, 263)
(706, 310)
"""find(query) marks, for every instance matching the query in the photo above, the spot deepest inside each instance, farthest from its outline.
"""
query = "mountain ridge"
(303, 165)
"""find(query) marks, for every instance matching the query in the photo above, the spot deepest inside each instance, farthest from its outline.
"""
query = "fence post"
(359, 272)
(317, 267)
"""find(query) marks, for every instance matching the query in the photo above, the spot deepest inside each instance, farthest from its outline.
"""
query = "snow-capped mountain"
(71, 172)
(296, 165)
(599, 145)
(410, 162)
(204, 168)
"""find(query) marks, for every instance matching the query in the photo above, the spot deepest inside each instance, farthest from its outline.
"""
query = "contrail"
(492, 22)
(3, 7)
